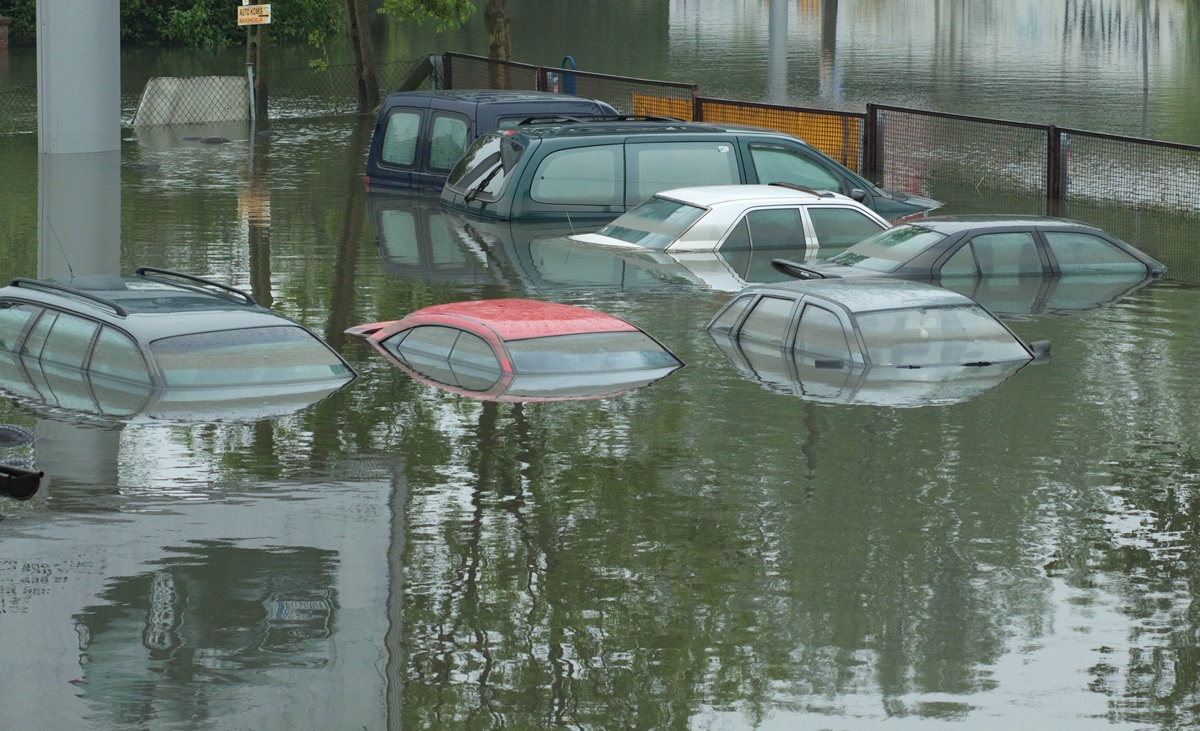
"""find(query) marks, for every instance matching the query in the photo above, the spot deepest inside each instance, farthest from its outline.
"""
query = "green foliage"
(448, 14)
(192, 23)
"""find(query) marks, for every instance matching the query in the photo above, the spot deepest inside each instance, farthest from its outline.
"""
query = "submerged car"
(520, 350)
(158, 343)
(419, 135)
(595, 171)
(949, 247)
(863, 323)
(731, 218)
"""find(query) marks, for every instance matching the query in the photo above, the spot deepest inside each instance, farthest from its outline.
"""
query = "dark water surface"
(715, 550)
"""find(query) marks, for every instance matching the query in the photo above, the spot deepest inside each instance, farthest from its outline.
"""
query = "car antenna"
(570, 223)
(58, 241)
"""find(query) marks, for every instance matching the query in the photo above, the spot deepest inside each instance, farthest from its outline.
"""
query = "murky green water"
(711, 551)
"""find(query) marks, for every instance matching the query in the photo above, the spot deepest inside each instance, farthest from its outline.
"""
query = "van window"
(780, 165)
(584, 175)
(400, 137)
(655, 166)
(447, 140)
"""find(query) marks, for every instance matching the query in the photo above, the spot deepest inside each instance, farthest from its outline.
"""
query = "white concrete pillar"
(79, 75)
(79, 137)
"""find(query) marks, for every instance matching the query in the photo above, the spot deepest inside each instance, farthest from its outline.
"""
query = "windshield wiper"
(474, 191)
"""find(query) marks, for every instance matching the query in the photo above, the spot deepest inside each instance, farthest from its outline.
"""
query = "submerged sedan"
(948, 247)
(731, 218)
(520, 350)
(866, 323)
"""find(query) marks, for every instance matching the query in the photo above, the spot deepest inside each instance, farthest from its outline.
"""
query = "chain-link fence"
(906, 149)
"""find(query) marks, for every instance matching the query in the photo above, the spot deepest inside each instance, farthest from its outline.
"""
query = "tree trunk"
(359, 30)
(499, 42)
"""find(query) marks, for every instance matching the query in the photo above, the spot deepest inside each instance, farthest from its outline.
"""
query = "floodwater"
(724, 548)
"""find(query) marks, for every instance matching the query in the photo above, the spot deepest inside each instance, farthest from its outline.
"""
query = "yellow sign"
(254, 14)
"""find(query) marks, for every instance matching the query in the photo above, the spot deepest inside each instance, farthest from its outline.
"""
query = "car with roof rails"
(595, 171)
(158, 343)
(419, 135)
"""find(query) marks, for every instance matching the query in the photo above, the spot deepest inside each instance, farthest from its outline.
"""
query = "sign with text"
(254, 14)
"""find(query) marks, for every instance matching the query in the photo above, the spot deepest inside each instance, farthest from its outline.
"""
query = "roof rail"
(65, 289)
(144, 271)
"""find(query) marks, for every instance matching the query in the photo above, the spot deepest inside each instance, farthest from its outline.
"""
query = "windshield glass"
(955, 335)
(887, 250)
(654, 223)
(250, 356)
(588, 353)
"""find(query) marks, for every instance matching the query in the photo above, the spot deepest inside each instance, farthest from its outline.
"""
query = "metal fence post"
(1054, 191)
(250, 80)
(870, 143)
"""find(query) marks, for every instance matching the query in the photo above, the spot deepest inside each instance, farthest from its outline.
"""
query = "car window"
(472, 351)
(1083, 252)
(651, 167)
(887, 250)
(13, 320)
(589, 353)
(483, 169)
(775, 228)
(820, 334)
(69, 339)
(581, 176)
(730, 315)
(32, 346)
(961, 264)
(1006, 253)
(432, 341)
(117, 356)
(781, 165)
(447, 140)
(247, 356)
(768, 320)
(400, 137)
(654, 223)
(838, 226)
(955, 335)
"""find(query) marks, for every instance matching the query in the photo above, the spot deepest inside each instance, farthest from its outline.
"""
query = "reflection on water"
(701, 551)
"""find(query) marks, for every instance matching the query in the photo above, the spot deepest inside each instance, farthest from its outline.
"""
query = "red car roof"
(518, 319)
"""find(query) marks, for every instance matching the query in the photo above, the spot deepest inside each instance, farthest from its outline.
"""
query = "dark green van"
(594, 171)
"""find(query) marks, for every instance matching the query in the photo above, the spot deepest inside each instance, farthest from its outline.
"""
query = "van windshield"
(484, 167)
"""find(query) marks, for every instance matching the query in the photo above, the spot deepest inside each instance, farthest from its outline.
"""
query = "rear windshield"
(654, 223)
(887, 250)
(588, 353)
(956, 335)
(250, 356)
(483, 169)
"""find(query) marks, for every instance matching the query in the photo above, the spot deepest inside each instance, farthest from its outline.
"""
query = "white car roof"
(709, 195)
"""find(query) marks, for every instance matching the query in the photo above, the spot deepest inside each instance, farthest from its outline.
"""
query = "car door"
(1013, 253)
(654, 166)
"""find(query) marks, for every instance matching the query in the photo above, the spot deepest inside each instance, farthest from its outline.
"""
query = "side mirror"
(858, 194)
(1040, 349)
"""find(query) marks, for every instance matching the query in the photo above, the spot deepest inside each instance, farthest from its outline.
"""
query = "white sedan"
(731, 218)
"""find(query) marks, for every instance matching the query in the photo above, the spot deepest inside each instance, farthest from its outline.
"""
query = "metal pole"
(250, 79)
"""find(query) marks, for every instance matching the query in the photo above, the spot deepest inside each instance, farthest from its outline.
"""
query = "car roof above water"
(147, 307)
(709, 195)
(868, 295)
(518, 319)
(980, 222)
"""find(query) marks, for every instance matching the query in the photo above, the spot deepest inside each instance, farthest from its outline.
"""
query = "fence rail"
(907, 149)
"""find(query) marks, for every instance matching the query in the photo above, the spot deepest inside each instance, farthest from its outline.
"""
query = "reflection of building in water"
(208, 613)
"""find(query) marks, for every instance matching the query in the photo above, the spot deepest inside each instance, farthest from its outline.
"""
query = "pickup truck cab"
(419, 135)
